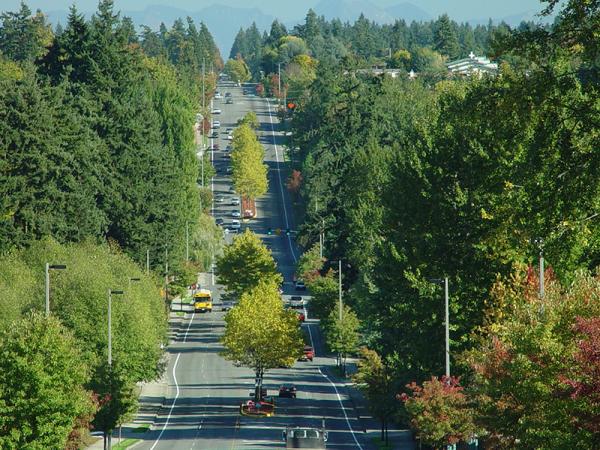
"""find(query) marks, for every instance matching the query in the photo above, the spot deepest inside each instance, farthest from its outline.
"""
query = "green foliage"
(249, 171)
(342, 332)
(439, 412)
(23, 36)
(375, 381)
(324, 291)
(246, 263)
(310, 264)
(525, 358)
(250, 119)
(260, 333)
(237, 70)
(206, 241)
(42, 375)
(445, 38)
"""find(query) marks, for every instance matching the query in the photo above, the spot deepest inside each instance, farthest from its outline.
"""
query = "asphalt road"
(206, 390)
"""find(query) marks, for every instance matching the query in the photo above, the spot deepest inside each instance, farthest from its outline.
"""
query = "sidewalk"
(152, 395)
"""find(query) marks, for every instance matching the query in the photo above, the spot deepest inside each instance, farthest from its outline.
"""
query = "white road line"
(212, 190)
(295, 259)
(287, 223)
(343, 408)
(176, 386)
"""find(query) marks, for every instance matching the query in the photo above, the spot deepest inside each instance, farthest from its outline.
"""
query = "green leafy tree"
(245, 263)
(324, 291)
(237, 70)
(23, 36)
(342, 333)
(439, 412)
(260, 333)
(445, 36)
(250, 119)
(249, 171)
(375, 381)
(310, 264)
(42, 375)
(526, 361)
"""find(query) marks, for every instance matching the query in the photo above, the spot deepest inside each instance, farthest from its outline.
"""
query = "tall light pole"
(111, 292)
(48, 267)
(279, 83)
(444, 281)
(540, 244)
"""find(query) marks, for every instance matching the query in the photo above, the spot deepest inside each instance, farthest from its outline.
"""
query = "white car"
(218, 95)
(220, 199)
(216, 124)
(216, 111)
(235, 225)
(236, 214)
(235, 201)
(230, 137)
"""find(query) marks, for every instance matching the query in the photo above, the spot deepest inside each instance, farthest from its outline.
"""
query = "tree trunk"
(258, 386)
(382, 430)
(387, 434)
(104, 437)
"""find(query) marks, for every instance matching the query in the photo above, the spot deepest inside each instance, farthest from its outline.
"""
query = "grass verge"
(381, 445)
(125, 444)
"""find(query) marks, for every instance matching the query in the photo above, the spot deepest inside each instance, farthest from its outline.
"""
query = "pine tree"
(445, 37)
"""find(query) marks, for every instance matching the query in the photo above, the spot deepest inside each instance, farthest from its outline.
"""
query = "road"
(201, 411)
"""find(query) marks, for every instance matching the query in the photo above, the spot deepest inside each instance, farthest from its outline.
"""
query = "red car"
(309, 353)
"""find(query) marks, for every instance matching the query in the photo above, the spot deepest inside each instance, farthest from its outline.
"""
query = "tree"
(324, 290)
(24, 37)
(249, 119)
(42, 375)
(245, 263)
(249, 172)
(375, 381)
(342, 333)
(309, 264)
(439, 412)
(445, 36)
(528, 363)
(260, 333)
(237, 70)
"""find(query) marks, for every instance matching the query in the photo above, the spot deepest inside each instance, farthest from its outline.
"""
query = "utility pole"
(279, 83)
(166, 275)
(203, 113)
(187, 241)
(447, 325)
(147, 261)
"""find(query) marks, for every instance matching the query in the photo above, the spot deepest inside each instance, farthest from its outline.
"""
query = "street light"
(110, 294)
(444, 281)
(48, 267)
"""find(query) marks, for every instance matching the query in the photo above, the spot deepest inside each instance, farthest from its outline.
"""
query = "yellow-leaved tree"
(261, 334)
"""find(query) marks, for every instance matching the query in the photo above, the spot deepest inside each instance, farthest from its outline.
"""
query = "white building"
(473, 65)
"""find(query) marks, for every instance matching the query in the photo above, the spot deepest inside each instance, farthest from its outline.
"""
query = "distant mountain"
(515, 19)
(408, 12)
(350, 10)
(222, 21)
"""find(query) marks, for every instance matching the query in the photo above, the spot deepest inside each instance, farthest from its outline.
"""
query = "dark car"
(300, 286)
(219, 221)
(296, 298)
(287, 390)
(227, 305)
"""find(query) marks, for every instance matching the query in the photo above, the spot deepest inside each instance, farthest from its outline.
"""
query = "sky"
(291, 9)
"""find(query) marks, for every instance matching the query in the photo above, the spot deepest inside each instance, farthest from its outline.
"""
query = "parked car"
(236, 214)
(287, 390)
(218, 95)
(216, 111)
(216, 124)
(227, 305)
(308, 353)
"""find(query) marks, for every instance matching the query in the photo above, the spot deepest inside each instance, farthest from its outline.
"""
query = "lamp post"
(48, 267)
(540, 244)
(111, 292)
(444, 281)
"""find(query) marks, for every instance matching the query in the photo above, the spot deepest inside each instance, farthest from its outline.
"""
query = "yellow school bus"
(203, 301)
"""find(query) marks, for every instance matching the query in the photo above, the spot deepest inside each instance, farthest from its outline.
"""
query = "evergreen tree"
(445, 37)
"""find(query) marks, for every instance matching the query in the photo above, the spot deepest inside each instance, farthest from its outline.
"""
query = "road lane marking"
(343, 408)
(287, 223)
(176, 386)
